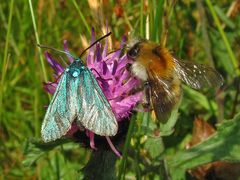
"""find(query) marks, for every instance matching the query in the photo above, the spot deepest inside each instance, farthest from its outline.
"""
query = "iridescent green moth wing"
(60, 114)
(95, 113)
(78, 97)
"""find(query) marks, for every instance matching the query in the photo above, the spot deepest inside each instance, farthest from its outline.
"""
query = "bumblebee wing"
(197, 76)
(95, 113)
(61, 110)
(165, 94)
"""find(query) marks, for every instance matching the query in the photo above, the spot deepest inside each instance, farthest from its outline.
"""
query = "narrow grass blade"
(224, 37)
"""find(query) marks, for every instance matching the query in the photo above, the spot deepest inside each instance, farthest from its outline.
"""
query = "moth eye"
(133, 52)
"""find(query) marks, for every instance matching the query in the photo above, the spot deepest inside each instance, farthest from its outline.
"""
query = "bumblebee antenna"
(54, 49)
(108, 34)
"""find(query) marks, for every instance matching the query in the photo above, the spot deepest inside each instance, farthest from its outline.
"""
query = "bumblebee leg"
(147, 104)
(128, 66)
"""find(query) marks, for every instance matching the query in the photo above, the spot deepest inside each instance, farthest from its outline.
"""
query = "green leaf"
(224, 18)
(154, 146)
(168, 128)
(199, 98)
(35, 148)
(224, 145)
(220, 53)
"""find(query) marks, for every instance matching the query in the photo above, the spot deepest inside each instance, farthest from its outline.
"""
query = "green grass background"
(199, 31)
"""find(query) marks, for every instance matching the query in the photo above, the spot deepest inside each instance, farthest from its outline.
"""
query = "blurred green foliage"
(206, 32)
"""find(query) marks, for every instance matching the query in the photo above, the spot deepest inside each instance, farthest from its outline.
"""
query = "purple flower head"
(114, 79)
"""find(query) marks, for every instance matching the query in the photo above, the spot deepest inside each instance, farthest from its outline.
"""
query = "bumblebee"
(162, 75)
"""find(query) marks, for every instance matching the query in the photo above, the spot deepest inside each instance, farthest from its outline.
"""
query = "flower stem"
(141, 19)
(125, 149)
(223, 35)
(101, 165)
(38, 42)
(158, 17)
(37, 39)
(82, 17)
(5, 58)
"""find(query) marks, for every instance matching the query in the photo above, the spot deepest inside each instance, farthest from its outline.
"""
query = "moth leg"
(99, 76)
(56, 80)
(90, 135)
(92, 142)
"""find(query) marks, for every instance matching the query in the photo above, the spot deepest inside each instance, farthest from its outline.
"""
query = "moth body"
(78, 97)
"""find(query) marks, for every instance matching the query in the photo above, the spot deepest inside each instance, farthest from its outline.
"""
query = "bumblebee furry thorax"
(163, 73)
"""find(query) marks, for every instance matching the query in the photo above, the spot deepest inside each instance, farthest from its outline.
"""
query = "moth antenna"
(108, 34)
(57, 50)
(67, 53)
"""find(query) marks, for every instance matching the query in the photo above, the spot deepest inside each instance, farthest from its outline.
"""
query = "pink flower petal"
(115, 81)
(65, 45)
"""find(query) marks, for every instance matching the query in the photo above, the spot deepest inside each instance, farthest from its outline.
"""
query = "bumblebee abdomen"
(165, 97)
